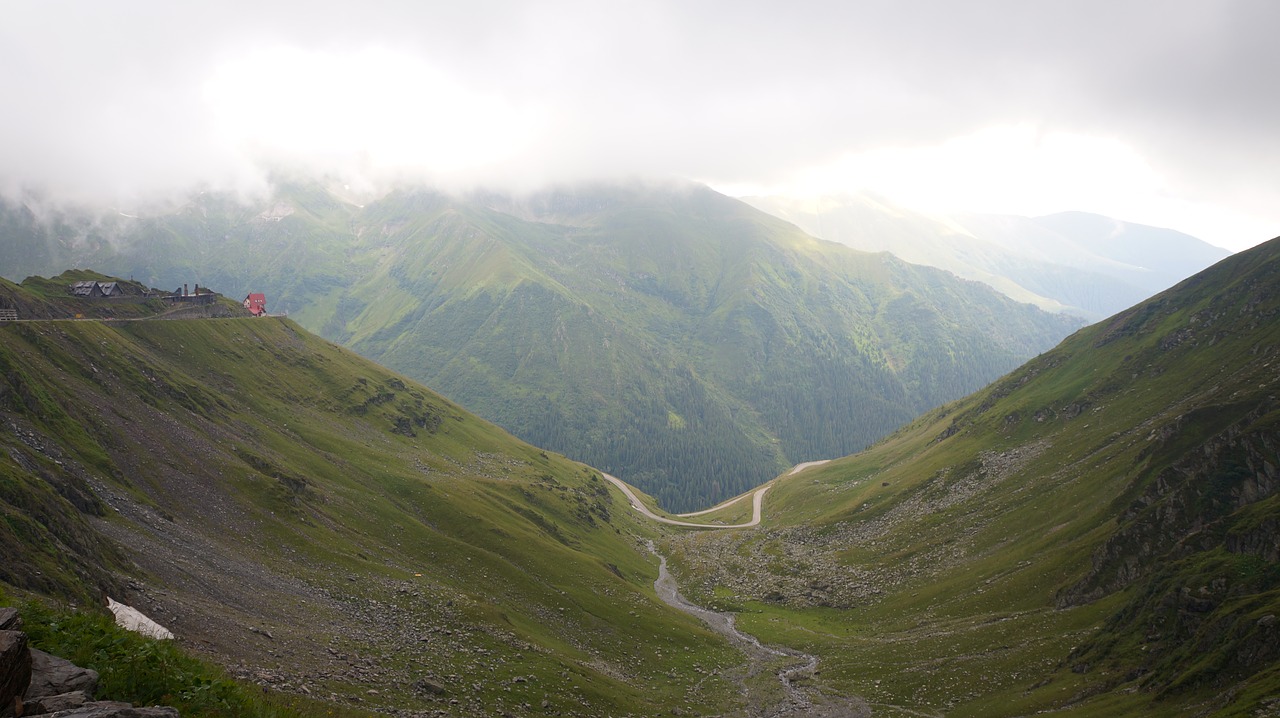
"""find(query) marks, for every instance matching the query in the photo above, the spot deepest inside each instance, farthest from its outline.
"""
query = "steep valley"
(667, 333)
(1094, 534)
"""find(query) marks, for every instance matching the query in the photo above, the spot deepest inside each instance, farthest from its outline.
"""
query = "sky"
(1153, 111)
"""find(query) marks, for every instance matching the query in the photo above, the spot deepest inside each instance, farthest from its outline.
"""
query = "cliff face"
(1196, 503)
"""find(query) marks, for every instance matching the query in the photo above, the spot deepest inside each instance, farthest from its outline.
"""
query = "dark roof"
(85, 289)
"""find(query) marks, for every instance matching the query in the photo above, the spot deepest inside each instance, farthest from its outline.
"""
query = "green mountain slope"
(322, 525)
(1094, 534)
(674, 336)
(671, 335)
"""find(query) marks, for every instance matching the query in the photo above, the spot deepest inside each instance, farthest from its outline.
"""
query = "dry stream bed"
(790, 696)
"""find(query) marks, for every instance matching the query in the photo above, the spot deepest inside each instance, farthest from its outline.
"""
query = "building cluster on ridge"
(254, 302)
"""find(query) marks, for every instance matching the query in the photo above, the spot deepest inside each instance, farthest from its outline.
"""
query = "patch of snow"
(132, 619)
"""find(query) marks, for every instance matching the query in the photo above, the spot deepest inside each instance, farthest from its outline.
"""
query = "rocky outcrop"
(1185, 507)
(15, 671)
(33, 683)
(51, 676)
(54, 704)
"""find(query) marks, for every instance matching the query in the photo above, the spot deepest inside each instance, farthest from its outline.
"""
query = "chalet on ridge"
(86, 289)
(97, 289)
(256, 303)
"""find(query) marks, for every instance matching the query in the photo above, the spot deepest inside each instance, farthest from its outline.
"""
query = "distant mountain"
(672, 335)
(1083, 264)
(1096, 533)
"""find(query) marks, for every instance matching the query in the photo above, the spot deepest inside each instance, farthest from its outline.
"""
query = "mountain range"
(1092, 534)
(666, 333)
(1082, 264)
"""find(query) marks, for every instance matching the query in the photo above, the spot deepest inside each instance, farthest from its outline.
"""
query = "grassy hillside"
(671, 335)
(1094, 534)
(326, 527)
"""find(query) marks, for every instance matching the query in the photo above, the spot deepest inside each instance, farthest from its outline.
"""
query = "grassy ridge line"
(1088, 535)
(253, 475)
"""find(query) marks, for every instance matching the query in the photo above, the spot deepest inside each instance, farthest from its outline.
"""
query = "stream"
(796, 700)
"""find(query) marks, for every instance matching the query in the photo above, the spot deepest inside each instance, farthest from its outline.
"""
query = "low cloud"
(121, 101)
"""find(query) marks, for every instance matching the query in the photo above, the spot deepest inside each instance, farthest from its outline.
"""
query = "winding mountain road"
(757, 502)
(794, 669)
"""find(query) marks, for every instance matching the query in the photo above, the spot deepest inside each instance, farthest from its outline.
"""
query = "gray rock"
(51, 676)
(431, 687)
(9, 620)
(15, 670)
(53, 704)
(114, 709)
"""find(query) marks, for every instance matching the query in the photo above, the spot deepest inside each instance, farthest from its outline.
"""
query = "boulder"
(115, 709)
(9, 620)
(53, 704)
(51, 676)
(15, 670)
(431, 687)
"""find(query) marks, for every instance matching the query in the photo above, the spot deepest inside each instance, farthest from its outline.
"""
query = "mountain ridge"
(1091, 534)
(1075, 262)
(666, 333)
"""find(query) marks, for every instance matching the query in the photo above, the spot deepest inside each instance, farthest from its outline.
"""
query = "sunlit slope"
(675, 336)
(1095, 532)
(322, 524)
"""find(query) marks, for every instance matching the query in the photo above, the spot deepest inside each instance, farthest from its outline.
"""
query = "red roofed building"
(256, 304)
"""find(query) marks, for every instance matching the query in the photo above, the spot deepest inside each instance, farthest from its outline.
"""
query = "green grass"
(282, 452)
(147, 672)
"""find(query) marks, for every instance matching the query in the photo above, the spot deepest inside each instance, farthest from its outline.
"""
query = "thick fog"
(1159, 109)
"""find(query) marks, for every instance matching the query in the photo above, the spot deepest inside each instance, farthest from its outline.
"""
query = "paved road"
(757, 503)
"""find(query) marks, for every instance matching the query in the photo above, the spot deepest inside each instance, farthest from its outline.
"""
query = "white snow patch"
(133, 619)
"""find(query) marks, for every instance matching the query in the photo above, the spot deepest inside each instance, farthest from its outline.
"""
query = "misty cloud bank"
(117, 102)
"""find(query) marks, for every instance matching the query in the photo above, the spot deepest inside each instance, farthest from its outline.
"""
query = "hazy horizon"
(1155, 115)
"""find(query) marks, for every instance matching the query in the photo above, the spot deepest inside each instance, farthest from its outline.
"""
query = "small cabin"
(86, 289)
(256, 303)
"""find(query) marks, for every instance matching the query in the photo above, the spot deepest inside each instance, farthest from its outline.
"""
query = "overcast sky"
(1159, 111)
